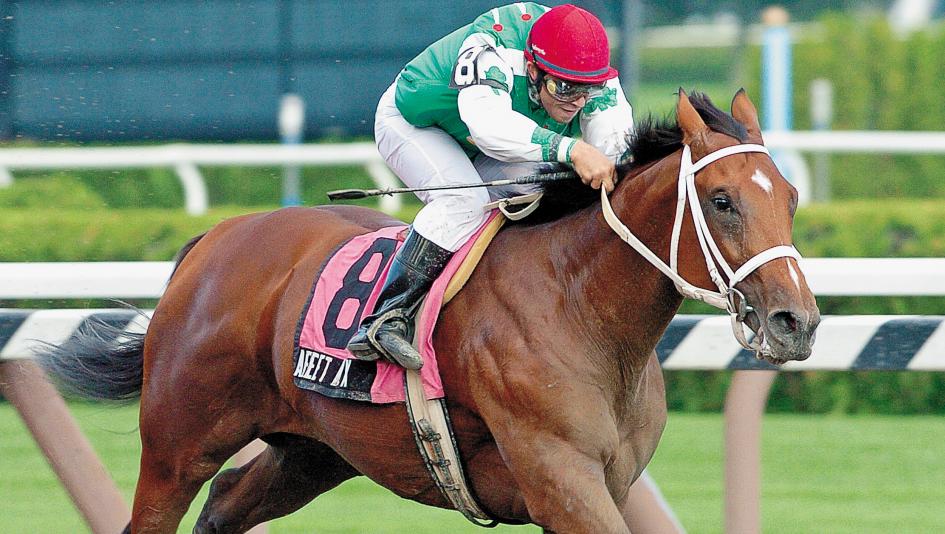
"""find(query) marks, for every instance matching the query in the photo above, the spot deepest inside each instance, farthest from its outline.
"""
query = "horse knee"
(223, 482)
(215, 525)
(216, 518)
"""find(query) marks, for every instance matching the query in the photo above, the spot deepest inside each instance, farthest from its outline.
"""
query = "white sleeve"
(484, 80)
(504, 134)
(607, 119)
(499, 131)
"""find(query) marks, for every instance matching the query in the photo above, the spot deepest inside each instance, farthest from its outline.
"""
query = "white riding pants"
(424, 157)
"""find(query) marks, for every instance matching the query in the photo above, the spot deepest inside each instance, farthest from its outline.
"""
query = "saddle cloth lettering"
(347, 289)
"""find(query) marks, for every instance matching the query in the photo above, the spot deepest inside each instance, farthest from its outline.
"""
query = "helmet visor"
(565, 91)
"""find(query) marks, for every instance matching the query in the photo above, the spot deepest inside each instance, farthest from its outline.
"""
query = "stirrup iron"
(391, 344)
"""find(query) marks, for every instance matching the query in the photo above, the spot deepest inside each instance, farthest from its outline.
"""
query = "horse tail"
(101, 360)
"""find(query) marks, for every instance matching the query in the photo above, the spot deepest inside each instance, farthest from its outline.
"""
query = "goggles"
(565, 91)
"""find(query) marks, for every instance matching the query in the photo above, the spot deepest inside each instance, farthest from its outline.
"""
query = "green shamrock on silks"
(496, 74)
(607, 99)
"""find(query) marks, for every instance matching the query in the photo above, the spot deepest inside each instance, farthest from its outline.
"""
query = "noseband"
(727, 298)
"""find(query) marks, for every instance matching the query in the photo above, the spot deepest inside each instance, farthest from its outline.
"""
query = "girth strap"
(430, 420)
(433, 433)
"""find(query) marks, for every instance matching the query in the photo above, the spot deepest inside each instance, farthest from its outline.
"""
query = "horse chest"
(639, 426)
(631, 457)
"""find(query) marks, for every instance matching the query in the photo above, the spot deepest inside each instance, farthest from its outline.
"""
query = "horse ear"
(693, 127)
(744, 112)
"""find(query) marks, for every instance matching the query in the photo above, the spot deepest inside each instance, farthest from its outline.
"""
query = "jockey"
(521, 85)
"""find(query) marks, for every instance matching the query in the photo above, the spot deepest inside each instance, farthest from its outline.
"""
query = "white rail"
(870, 142)
(844, 342)
(106, 279)
(854, 277)
(146, 279)
(185, 159)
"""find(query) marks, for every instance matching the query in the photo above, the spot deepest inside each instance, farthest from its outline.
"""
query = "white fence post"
(383, 176)
(195, 190)
(69, 452)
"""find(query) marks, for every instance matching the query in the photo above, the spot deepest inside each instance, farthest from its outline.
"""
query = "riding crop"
(351, 194)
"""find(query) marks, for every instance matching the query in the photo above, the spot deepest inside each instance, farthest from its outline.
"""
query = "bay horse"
(547, 355)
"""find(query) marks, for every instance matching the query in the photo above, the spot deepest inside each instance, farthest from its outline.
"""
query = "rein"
(727, 297)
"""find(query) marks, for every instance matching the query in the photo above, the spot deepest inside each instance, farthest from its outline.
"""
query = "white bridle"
(727, 297)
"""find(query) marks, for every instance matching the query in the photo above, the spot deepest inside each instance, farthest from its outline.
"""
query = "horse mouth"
(781, 360)
(780, 349)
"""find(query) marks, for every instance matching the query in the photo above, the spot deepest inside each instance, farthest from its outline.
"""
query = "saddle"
(347, 289)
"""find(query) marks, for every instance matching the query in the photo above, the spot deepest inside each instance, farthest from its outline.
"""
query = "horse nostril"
(785, 322)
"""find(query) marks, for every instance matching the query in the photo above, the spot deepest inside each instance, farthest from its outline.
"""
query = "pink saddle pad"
(347, 289)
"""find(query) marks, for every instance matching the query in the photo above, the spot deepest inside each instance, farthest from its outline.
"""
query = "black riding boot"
(388, 331)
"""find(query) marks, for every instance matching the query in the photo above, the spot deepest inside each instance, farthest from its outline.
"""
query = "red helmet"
(570, 43)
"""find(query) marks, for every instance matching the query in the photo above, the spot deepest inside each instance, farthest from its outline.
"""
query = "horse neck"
(625, 303)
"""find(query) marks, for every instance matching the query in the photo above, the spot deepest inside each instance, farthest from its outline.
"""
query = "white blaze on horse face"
(794, 276)
(763, 181)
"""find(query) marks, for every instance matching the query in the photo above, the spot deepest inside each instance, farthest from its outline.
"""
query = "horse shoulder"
(521, 375)
(520, 363)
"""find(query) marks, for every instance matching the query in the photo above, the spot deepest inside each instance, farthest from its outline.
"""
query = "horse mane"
(651, 139)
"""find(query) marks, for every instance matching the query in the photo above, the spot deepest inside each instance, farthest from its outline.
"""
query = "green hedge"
(160, 188)
(847, 229)
(108, 235)
(851, 229)
(112, 235)
(880, 82)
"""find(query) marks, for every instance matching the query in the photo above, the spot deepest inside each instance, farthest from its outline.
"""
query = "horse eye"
(722, 203)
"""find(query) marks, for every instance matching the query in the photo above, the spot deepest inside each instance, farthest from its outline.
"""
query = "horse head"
(748, 209)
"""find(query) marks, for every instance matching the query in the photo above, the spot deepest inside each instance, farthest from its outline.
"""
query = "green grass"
(821, 474)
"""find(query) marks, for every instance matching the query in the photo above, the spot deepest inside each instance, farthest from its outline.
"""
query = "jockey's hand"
(594, 168)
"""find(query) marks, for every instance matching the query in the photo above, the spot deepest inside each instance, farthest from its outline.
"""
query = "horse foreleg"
(286, 476)
(563, 488)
